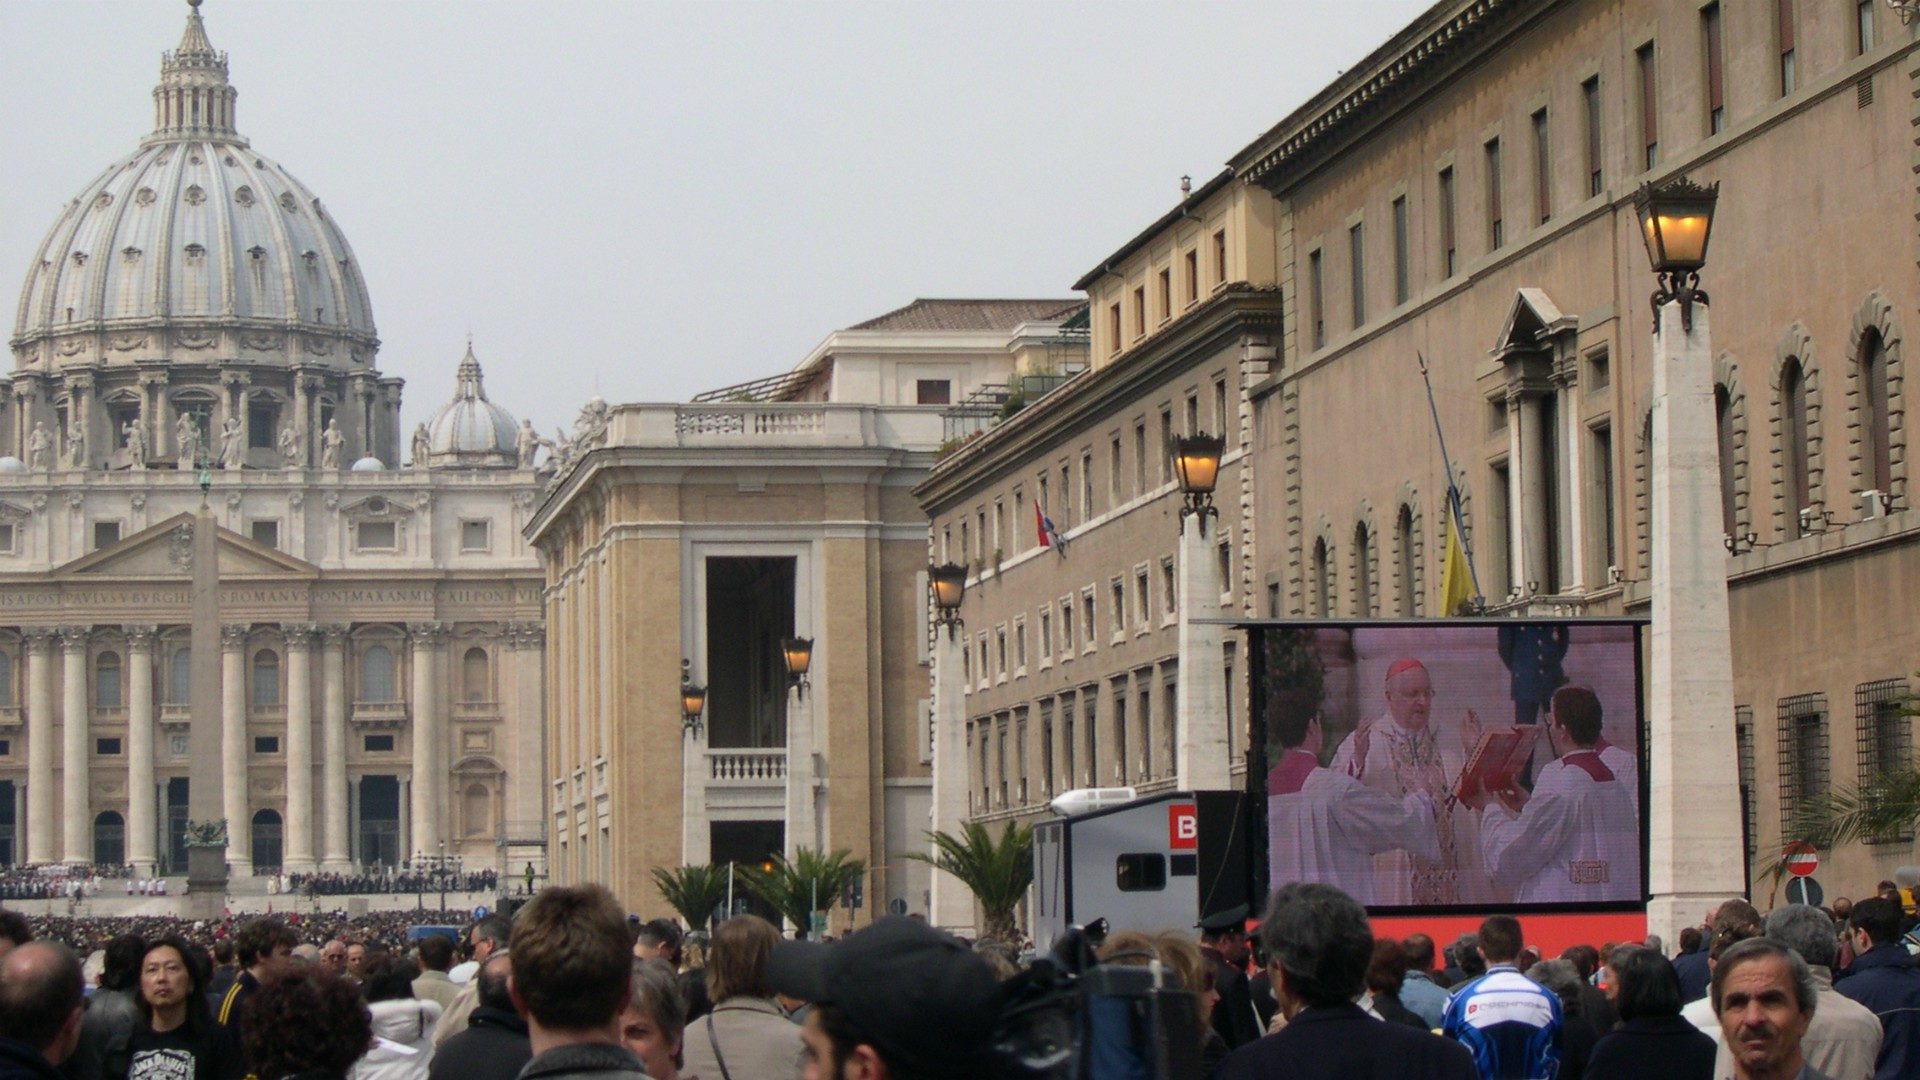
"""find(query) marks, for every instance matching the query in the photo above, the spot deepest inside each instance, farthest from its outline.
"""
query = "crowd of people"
(55, 881)
(574, 986)
(388, 880)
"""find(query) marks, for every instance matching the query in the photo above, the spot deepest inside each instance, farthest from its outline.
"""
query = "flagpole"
(1453, 492)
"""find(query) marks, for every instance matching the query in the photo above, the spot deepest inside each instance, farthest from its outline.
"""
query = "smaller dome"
(368, 464)
(11, 464)
(471, 431)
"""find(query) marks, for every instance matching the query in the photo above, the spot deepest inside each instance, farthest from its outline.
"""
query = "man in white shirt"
(1401, 754)
(1576, 836)
(1323, 825)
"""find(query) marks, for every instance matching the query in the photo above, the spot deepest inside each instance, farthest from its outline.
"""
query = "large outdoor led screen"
(1482, 764)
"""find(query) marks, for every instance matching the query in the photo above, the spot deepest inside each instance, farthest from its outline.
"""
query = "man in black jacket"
(1318, 945)
(1223, 941)
(572, 975)
(494, 1045)
(40, 1009)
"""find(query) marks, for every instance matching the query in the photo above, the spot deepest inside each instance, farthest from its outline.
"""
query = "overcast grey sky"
(649, 200)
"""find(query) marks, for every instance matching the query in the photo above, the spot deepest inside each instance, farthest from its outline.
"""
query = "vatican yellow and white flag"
(1456, 577)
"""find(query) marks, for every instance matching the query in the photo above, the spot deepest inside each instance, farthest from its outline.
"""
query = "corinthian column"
(140, 824)
(299, 820)
(40, 813)
(429, 738)
(76, 819)
(333, 769)
(233, 748)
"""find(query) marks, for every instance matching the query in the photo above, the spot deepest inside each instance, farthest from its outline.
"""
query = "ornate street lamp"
(948, 582)
(693, 700)
(797, 652)
(1196, 461)
(1676, 220)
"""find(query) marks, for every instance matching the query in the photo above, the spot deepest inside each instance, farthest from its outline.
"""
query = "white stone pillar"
(1200, 714)
(141, 831)
(76, 773)
(528, 773)
(1573, 493)
(1696, 847)
(802, 819)
(333, 769)
(233, 748)
(696, 832)
(298, 823)
(429, 739)
(1530, 511)
(952, 903)
(40, 811)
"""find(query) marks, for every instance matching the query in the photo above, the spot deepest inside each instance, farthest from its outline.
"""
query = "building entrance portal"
(379, 821)
(749, 609)
(176, 825)
(748, 843)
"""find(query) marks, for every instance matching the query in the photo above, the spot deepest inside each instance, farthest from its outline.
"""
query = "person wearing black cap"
(898, 1000)
(1318, 946)
(1223, 941)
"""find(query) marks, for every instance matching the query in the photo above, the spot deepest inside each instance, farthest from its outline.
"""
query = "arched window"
(1403, 544)
(1362, 571)
(6, 678)
(180, 676)
(474, 807)
(1723, 428)
(1796, 457)
(266, 677)
(376, 674)
(109, 838)
(106, 681)
(1322, 579)
(473, 675)
(1876, 422)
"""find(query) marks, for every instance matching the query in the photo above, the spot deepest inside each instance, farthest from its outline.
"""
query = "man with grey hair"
(484, 938)
(1319, 944)
(1765, 997)
(1843, 1037)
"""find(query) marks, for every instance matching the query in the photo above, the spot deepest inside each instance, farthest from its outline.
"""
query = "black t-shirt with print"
(185, 1053)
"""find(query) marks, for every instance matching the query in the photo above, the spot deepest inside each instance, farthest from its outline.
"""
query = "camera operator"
(898, 1000)
(1318, 946)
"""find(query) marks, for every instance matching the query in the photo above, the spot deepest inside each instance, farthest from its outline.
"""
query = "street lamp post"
(695, 831)
(1200, 757)
(947, 587)
(796, 658)
(1696, 850)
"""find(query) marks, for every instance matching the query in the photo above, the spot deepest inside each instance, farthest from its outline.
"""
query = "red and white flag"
(1045, 533)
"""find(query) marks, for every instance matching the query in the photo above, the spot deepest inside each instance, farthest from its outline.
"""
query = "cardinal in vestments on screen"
(1575, 837)
(1325, 826)
(1403, 753)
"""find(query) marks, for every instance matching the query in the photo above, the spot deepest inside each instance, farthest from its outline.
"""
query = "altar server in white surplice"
(1325, 826)
(1576, 836)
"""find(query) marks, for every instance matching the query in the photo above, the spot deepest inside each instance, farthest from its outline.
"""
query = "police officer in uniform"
(1223, 941)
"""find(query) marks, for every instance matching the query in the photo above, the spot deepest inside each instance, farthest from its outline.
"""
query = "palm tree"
(998, 873)
(810, 882)
(693, 891)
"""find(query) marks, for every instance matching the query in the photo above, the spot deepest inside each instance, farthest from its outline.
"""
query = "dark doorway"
(266, 840)
(9, 824)
(380, 820)
(109, 838)
(748, 843)
(177, 824)
(749, 609)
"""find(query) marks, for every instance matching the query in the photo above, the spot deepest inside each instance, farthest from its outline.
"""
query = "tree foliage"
(693, 891)
(810, 882)
(997, 872)
(1886, 808)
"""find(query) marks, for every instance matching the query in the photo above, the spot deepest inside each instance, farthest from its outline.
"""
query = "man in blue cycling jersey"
(1509, 1022)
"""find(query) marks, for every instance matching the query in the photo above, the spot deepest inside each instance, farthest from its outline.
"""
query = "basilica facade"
(195, 330)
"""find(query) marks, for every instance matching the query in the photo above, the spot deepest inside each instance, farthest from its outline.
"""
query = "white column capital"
(233, 636)
(141, 638)
(299, 636)
(73, 639)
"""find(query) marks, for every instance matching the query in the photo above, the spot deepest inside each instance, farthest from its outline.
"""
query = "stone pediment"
(1532, 319)
(165, 550)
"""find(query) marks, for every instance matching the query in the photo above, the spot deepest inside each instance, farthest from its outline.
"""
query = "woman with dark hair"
(746, 1029)
(309, 1023)
(1385, 974)
(176, 1038)
(403, 1023)
(1652, 1041)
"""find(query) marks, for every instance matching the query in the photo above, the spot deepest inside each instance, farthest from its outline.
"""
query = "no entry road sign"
(1801, 859)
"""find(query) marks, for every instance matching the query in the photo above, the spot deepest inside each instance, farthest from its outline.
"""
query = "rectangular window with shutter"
(1710, 35)
(1496, 222)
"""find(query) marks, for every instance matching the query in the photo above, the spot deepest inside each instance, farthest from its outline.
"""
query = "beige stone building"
(704, 534)
(381, 656)
(1465, 193)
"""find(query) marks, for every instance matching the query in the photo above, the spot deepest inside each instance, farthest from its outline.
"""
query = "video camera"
(1069, 1016)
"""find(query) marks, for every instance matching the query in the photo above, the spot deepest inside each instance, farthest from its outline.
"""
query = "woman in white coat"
(402, 1024)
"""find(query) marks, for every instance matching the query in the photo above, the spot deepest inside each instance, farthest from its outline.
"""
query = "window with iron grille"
(1803, 752)
(1884, 732)
(1743, 741)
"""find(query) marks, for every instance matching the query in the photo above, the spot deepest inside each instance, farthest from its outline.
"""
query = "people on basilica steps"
(1326, 825)
(1402, 753)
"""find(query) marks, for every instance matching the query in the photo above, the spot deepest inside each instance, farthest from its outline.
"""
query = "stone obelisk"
(206, 824)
